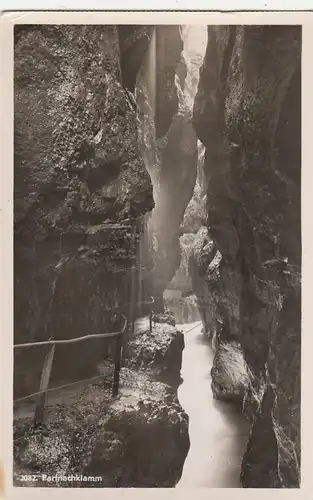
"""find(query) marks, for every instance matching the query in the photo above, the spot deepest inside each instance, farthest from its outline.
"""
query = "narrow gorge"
(158, 165)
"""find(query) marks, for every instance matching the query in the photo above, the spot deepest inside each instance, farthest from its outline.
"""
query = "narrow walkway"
(218, 433)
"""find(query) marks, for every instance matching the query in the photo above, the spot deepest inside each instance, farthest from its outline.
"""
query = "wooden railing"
(48, 361)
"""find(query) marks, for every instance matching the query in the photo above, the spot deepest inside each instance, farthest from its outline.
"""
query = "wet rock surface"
(90, 136)
(171, 152)
(168, 145)
(160, 351)
(230, 374)
(204, 276)
(191, 202)
(82, 192)
(168, 47)
(178, 174)
(248, 97)
(138, 439)
(185, 309)
(78, 174)
(134, 43)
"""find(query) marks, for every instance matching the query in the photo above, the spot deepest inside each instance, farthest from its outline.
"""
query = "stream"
(218, 432)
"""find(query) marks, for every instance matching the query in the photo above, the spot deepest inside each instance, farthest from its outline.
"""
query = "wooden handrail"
(76, 339)
(46, 371)
(85, 337)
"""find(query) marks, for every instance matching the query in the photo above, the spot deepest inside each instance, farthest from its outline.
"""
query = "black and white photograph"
(157, 255)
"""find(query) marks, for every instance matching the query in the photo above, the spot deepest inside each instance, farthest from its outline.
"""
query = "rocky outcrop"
(184, 308)
(194, 219)
(177, 179)
(248, 115)
(139, 439)
(195, 41)
(187, 71)
(168, 48)
(230, 373)
(204, 271)
(78, 171)
(169, 147)
(134, 44)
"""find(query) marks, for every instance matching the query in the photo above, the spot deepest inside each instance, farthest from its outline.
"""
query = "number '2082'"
(28, 477)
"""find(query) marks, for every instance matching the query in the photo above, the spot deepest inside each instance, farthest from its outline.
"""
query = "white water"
(218, 432)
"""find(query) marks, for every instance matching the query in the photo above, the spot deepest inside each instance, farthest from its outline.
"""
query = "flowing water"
(218, 432)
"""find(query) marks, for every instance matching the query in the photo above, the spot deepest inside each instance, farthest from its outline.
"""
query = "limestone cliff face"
(169, 146)
(195, 39)
(168, 48)
(134, 42)
(77, 168)
(82, 192)
(204, 271)
(177, 179)
(247, 114)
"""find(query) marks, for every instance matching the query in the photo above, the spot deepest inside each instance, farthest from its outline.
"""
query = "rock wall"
(177, 179)
(168, 48)
(169, 147)
(82, 195)
(204, 271)
(82, 178)
(248, 115)
(195, 39)
(183, 307)
(78, 169)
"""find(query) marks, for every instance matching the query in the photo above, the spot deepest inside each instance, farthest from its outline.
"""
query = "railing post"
(150, 322)
(44, 385)
(151, 314)
(117, 363)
